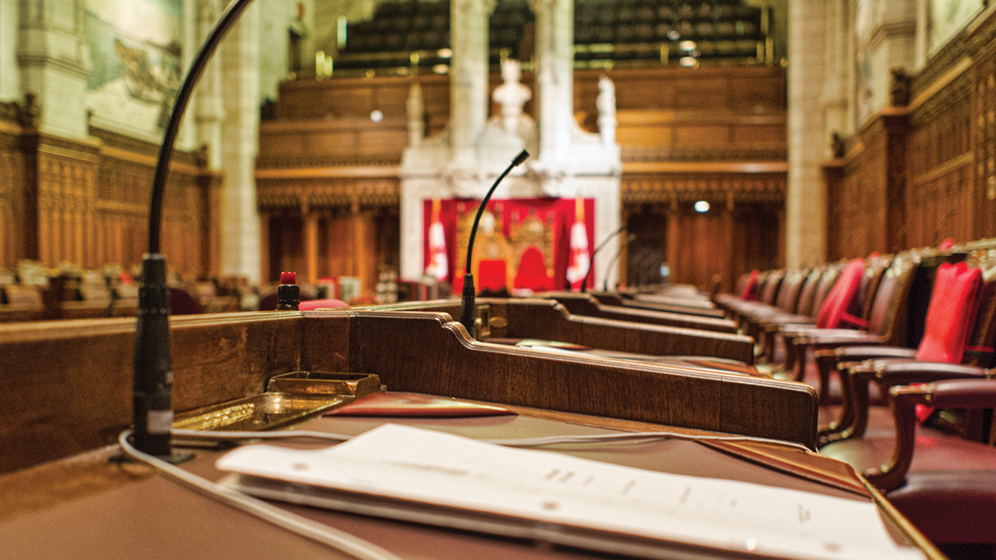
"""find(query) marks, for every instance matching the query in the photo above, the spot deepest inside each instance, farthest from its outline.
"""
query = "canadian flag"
(580, 258)
(438, 266)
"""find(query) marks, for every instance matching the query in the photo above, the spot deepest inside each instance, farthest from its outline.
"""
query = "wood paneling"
(66, 385)
(917, 174)
(86, 202)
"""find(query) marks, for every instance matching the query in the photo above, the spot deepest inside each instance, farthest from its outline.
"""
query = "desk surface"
(87, 507)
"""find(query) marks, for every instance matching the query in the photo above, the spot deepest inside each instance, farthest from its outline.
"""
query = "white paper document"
(555, 490)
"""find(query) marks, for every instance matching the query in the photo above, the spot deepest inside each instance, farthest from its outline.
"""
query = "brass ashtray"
(264, 411)
(353, 385)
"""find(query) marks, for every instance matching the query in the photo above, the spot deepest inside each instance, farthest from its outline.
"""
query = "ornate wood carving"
(85, 202)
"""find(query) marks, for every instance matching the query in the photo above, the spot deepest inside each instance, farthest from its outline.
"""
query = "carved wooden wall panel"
(13, 221)
(939, 164)
(983, 129)
(866, 208)
(941, 174)
(85, 202)
(741, 231)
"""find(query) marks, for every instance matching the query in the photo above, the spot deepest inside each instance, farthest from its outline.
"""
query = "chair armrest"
(864, 353)
(837, 337)
(952, 393)
(829, 360)
(962, 393)
(903, 402)
(891, 373)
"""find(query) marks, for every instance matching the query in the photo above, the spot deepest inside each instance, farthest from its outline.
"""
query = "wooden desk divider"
(66, 386)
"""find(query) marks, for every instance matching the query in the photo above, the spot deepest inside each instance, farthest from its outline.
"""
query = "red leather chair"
(182, 303)
(532, 273)
(492, 275)
(960, 328)
(885, 323)
(942, 483)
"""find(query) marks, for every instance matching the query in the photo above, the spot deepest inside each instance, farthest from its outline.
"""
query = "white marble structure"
(465, 159)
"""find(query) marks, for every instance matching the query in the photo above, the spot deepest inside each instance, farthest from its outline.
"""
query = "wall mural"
(136, 55)
(947, 17)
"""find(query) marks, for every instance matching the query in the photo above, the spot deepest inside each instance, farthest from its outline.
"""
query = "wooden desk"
(66, 387)
(88, 507)
(588, 305)
(549, 320)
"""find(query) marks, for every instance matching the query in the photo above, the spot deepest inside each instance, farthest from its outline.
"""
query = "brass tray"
(264, 411)
(289, 397)
(354, 385)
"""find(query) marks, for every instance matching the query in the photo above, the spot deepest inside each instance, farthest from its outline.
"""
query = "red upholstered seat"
(835, 307)
(182, 303)
(491, 275)
(748, 292)
(945, 485)
(951, 317)
(952, 307)
(532, 273)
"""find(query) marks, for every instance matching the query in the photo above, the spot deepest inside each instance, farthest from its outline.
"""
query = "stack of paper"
(442, 479)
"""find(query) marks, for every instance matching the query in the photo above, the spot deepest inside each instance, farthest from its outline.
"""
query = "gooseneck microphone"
(608, 269)
(467, 315)
(153, 370)
(591, 261)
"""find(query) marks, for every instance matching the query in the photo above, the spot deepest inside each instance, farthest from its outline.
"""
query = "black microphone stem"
(467, 314)
(153, 370)
(584, 281)
(608, 269)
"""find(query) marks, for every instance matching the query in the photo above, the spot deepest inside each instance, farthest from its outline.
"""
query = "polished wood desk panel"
(88, 507)
(549, 320)
(585, 304)
(66, 385)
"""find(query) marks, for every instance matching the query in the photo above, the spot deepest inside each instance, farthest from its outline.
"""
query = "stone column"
(264, 248)
(804, 199)
(468, 77)
(10, 73)
(209, 111)
(240, 140)
(839, 71)
(416, 115)
(554, 79)
(53, 56)
(311, 246)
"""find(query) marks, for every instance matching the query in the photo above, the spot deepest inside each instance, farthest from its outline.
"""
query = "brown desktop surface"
(88, 507)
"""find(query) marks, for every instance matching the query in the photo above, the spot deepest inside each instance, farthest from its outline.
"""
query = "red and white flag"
(580, 262)
(438, 266)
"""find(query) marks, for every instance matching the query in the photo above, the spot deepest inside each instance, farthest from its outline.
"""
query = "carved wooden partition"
(918, 173)
(86, 202)
(66, 386)
(546, 319)
(584, 304)
(428, 352)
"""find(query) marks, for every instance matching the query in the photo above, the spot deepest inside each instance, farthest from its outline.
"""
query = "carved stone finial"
(606, 104)
(899, 86)
(837, 146)
(29, 112)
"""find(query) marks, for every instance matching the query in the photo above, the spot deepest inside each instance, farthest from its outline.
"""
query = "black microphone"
(608, 269)
(467, 315)
(153, 371)
(591, 263)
